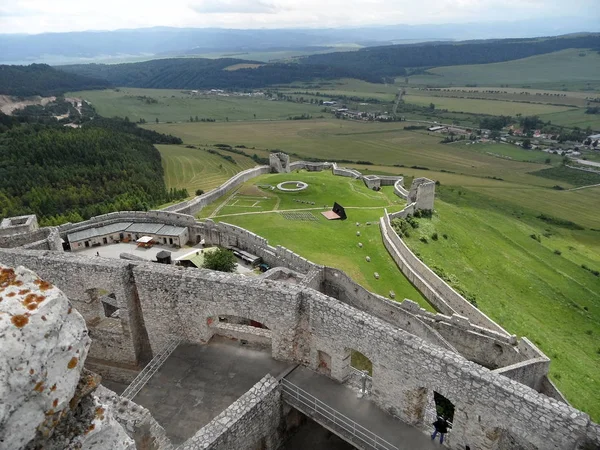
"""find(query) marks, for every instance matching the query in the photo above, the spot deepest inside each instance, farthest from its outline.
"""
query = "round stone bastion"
(299, 186)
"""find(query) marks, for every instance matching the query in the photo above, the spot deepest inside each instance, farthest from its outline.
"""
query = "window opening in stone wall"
(360, 361)
(443, 406)
(109, 305)
(242, 321)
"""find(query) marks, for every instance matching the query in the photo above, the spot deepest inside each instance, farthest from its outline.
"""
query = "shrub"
(222, 260)
(535, 237)
(445, 236)
(199, 192)
(423, 240)
(434, 236)
(557, 252)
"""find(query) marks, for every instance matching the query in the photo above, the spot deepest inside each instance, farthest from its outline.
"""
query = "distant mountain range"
(61, 48)
(374, 64)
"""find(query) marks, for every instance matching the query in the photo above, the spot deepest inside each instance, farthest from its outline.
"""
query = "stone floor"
(198, 382)
(313, 436)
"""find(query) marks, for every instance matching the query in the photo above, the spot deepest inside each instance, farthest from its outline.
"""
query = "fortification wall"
(193, 206)
(488, 407)
(530, 372)
(343, 172)
(399, 189)
(437, 291)
(39, 239)
(310, 166)
(251, 422)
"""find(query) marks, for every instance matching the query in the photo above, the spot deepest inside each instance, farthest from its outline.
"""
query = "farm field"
(558, 70)
(194, 169)
(173, 105)
(492, 107)
(307, 232)
(381, 143)
(534, 289)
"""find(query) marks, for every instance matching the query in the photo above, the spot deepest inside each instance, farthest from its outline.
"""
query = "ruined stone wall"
(399, 189)
(343, 172)
(310, 166)
(488, 406)
(530, 372)
(251, 422)
(84, 280)
(178, 302)
(437, 291)
(39, 239)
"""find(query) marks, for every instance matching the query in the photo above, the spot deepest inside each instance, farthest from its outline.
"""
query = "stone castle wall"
(251, 422)
(437, 291)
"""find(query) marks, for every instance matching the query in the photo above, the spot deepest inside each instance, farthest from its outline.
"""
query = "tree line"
(63, 174)
(41, 79)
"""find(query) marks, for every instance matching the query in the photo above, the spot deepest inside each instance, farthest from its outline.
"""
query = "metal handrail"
(361, 373)
(151, 368)
(327, 412)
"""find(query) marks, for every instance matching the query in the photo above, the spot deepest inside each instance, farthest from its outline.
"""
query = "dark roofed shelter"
(163, 257)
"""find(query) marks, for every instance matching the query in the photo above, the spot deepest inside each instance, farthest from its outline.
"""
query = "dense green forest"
(200, 73)
(123, 125)
(393, 60)
(41, 79)
(372, 64)
(64, 174)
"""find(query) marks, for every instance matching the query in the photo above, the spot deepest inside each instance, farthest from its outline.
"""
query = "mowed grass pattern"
(194, 169)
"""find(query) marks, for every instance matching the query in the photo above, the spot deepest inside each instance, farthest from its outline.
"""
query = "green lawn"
(173, 105)
(333, 243)
(550, 70)
(534, 289)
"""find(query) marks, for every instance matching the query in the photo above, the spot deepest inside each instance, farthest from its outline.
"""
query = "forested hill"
(41, 79)
(64, 174)
(200, 73)
(393, 60)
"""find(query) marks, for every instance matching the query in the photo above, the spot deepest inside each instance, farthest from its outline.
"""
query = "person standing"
(441, 426)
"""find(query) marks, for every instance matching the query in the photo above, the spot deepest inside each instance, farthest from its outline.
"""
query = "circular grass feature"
(297, 186)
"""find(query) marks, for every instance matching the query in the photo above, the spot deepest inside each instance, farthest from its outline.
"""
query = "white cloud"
(36, 16)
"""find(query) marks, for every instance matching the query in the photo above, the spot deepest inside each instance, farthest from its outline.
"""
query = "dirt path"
(9, 104)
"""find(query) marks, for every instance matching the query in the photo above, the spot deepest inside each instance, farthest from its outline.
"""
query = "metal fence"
(358, 377)
(326, 415)
(144, 376)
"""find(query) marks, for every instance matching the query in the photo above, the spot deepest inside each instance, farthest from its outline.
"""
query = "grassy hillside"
(564, 68)
(533, 287)
(194, 169)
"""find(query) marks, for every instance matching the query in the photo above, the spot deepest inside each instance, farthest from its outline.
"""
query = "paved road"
(363, 411)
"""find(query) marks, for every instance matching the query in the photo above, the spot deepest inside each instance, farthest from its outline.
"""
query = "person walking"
(441, 426)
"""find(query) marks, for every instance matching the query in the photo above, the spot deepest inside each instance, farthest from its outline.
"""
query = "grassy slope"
(197, 169)
(176, 106)
(564, 67)
(523, 284)
(333, 243)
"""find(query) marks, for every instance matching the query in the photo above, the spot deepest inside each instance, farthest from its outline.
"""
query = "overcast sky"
(37, 16)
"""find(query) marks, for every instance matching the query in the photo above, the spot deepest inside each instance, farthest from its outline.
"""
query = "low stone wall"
(437, 291)
(251, 422)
